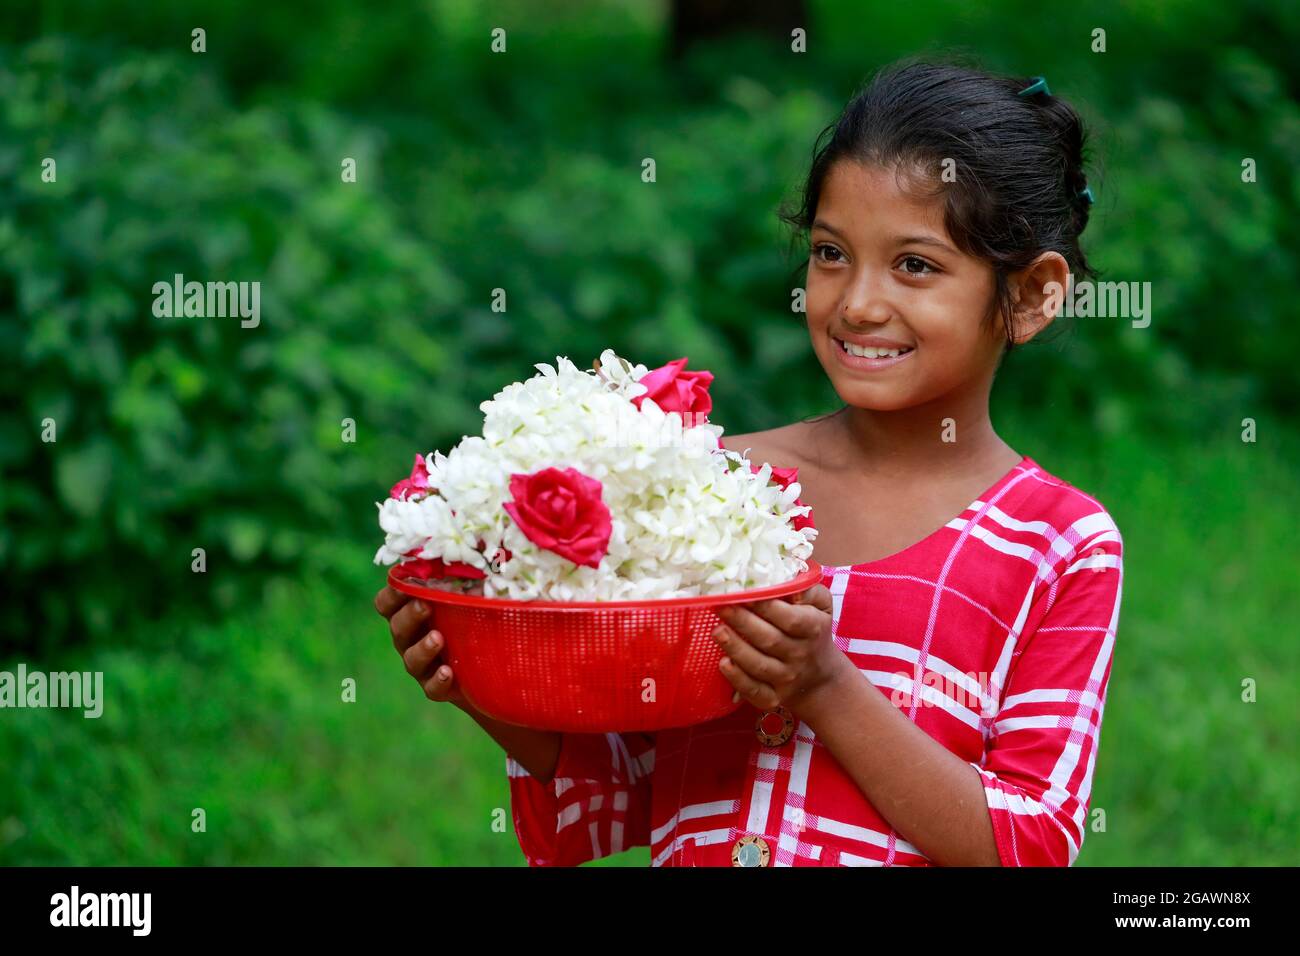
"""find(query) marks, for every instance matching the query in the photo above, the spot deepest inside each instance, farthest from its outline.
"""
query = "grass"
(243, 717)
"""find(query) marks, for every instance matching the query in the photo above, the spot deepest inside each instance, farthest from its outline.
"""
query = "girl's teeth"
(868, 352)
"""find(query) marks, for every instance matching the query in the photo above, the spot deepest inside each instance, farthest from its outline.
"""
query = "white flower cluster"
(688, 517)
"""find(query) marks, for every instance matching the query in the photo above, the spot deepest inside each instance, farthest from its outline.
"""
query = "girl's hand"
(421, 648)
(780, 652)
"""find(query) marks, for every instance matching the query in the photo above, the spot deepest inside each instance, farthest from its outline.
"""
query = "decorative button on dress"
(994, 635)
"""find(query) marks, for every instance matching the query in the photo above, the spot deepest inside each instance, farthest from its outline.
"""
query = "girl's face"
(884, 274)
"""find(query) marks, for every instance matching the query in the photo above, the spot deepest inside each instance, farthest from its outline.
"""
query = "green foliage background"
(522, 172)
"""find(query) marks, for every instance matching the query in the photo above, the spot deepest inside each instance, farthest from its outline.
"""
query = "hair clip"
(1086, 193)
(1038, 86)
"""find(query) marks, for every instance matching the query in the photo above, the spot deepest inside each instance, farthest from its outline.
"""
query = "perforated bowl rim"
(800, 582)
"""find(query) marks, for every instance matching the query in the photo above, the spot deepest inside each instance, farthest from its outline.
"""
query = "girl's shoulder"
(1043, 496)
(781, 447)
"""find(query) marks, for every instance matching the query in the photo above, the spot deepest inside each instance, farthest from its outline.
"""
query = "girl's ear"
(1037, 292)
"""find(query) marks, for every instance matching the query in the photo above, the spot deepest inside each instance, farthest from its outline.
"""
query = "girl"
(937, 699)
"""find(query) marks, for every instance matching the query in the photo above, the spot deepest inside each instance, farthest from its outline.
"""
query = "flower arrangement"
(607, 484)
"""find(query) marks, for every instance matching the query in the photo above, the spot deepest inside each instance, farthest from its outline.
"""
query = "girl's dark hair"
(1016, 161)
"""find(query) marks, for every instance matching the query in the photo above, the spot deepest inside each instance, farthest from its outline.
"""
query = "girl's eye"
(916, 266)
(817, 252)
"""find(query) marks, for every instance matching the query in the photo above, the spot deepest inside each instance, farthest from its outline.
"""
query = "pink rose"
(562, 511)
(785, 477)
(418, 483)
(675, 390)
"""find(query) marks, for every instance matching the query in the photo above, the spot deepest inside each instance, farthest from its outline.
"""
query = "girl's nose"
(865, 303)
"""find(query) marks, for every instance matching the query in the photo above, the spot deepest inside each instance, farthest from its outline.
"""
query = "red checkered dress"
(994, 634)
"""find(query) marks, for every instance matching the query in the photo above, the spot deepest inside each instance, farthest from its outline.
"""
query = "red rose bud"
(432, 570)
(418, 483)
(785, 477)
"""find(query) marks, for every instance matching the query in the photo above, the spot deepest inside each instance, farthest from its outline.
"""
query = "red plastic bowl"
(587, 666)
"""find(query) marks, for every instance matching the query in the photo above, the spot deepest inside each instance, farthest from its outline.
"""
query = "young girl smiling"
(937, 699)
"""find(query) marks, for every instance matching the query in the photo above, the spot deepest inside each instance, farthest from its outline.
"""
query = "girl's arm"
(596, 801)
(574, 797)
(535, 750)
(779, 653)
(932, 797)
(1025, 802)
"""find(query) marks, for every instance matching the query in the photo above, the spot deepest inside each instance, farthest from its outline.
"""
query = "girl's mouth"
(870, 359)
